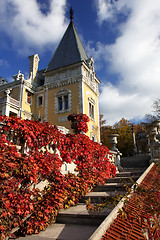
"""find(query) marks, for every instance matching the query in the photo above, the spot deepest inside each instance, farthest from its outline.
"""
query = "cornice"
(10, 85)
(62, 83)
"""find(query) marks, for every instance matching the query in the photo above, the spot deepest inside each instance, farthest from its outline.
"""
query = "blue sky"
(123, 38)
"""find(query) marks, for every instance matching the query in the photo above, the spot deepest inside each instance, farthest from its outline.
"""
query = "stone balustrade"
(23, 148)
(115, 155)
(8, 99)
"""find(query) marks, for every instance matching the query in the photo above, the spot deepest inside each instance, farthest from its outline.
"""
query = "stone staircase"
(78, 223)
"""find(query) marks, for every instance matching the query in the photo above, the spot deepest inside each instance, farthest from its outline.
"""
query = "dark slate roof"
(69, 51)
(40, 78)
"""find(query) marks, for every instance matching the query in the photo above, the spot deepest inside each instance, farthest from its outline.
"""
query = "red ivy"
(22, 170)
(79, 122)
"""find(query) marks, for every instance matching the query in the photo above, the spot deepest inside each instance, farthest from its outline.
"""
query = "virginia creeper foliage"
(32, 152)
(79, 122)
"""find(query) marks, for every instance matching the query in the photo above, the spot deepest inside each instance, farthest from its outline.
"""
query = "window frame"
(91, 108)
(62, 94)
(28, 102)
(38, 97)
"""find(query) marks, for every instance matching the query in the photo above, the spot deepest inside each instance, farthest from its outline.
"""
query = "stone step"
(80, 215)
(122, 179)
(130, 174)
(77, 222)
(59, 231)
(98, 197)
(110, 187)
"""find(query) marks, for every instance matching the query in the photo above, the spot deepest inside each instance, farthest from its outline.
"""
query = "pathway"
(77, 223)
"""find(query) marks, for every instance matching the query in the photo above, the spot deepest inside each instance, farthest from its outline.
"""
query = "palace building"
(67, 85)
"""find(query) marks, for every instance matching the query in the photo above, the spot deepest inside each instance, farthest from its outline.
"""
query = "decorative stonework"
(63, 119)
(92, 100)
(27, 115)
(90, 78)
(90, 93)
(46, 105)
(18, 76)
(81, 97)
(68, 75)
(8, 91)
(33, 68)
(153, 130)
(62, 83)
(113, 139)
(9, 104)
(92, 84)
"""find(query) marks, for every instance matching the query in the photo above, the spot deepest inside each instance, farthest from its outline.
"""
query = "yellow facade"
(54, 118)
(40, 103)
(93, 125)
(68, 85)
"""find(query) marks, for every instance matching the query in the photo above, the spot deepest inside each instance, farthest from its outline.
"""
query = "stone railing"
(23, 148)
(10, 100)
(13, 101)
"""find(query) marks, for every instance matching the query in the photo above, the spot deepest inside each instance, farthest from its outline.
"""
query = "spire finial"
(71, 14)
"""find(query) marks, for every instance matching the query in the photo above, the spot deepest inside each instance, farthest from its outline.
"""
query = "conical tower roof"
(69, 51)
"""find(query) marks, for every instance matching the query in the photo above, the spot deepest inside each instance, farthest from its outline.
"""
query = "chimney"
(33, 67)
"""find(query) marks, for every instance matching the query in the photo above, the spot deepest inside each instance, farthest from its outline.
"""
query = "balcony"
(9, 100)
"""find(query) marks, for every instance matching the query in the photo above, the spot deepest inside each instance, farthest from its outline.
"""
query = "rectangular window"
(29, 97)
(60, 106)
(91, 110)
(62, 101)
(66, 102)
(40, 101)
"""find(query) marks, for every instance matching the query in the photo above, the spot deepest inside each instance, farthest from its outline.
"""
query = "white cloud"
(107, 10)
(28, 26)
(135, 57)
(97, 52)
(114, 105)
